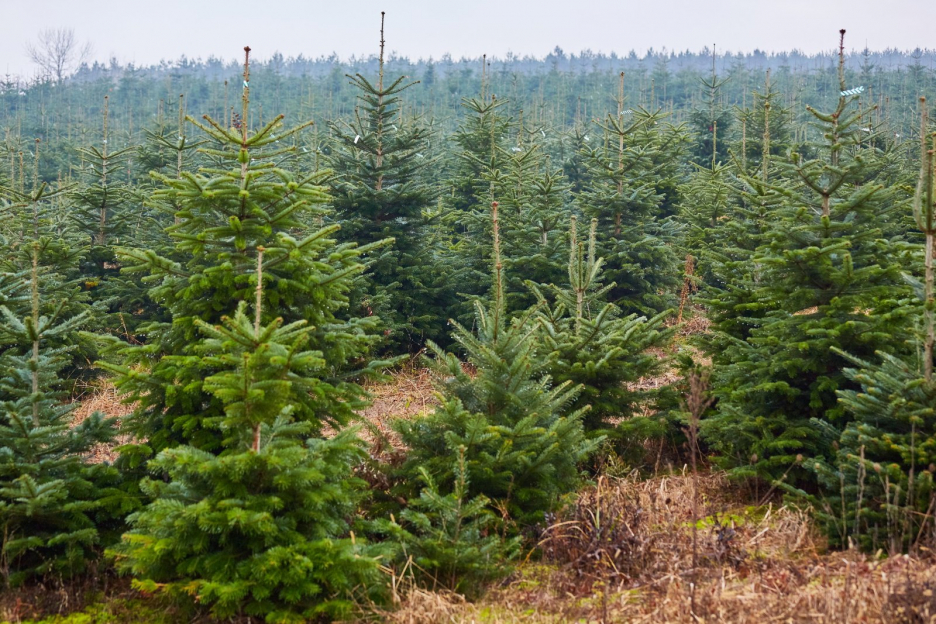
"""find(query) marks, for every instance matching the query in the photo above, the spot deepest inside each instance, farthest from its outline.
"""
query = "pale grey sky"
(145, 32)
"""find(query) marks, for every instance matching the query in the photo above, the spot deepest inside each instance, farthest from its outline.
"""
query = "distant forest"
(558, 91)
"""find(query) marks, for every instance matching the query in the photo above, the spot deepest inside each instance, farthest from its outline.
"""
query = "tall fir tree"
(260, 529)
(711, 123)
(381, 190)
(831, 282)
(226, 214)
(877, 490)
(105, 209)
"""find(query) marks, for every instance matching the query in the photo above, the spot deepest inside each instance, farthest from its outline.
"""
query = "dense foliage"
(237, 280)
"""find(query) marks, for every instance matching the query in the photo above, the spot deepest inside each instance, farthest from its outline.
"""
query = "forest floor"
(625, 550)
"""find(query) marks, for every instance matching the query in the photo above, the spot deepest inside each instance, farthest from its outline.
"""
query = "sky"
(147, 32)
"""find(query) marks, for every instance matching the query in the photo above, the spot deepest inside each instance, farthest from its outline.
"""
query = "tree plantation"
(669, 306)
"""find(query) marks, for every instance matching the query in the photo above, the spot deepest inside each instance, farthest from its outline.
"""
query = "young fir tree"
(877, 490)
(226, 213)
(765, 129)
(521, 443)
(56, 508)
(452, 539)
(533, 201)
(729, 223)
(830, 282)
(710, 123)
(592, 345)
(35, 225)
(105, 210)
(380, 190)
(625, 193)
(481, 139)
(260, 529)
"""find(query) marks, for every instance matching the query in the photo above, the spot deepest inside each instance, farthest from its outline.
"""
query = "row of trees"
(240, 297)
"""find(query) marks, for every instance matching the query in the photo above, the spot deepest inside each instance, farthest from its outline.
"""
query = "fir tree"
(830, 283)
(104, 208)
(877, 490)
(481, 139)
(625, 193)
(592, 345)
(380, 191)
(55, 507)
(452, 539)
(711, 123)
(226, 215)
(260, 529)
(521, 444)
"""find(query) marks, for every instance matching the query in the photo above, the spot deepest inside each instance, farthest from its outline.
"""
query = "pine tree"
(260, 529)
(592, 345)
(380, 190)
(250, 201)
(830, 282)
(521, 443)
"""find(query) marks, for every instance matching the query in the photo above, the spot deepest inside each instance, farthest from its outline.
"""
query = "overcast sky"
(146, 32)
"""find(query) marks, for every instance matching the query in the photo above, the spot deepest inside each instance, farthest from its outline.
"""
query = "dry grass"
(102, 397)
(407, 394)
(624, 553)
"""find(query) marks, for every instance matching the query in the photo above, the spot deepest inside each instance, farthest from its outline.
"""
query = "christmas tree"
(521, 443)
(625, 193)
(251, 200)
(877, 489)
(592, 345)
(56, 508)
(830, 282)
(380, 190)
(260, 529)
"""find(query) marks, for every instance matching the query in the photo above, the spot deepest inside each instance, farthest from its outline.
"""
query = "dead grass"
(623, 553)
(407, 394)
(102, 397)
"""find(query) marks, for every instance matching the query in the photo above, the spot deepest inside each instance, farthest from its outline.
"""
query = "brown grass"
(408, 393)
(102, 397)
(623, 553)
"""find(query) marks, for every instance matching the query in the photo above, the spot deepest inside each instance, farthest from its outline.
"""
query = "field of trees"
(583, 338)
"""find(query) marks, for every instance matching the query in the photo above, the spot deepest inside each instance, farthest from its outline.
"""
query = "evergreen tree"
(625, 193)
(533, 201)
(830, 281)
(56, 509)
(711, 124)
(105, 210)
(592, 345)
(481, 139)
(452, 539)
(877, 490)
(522, 446)
(260, 529)
(226, 215)
(380, 191)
